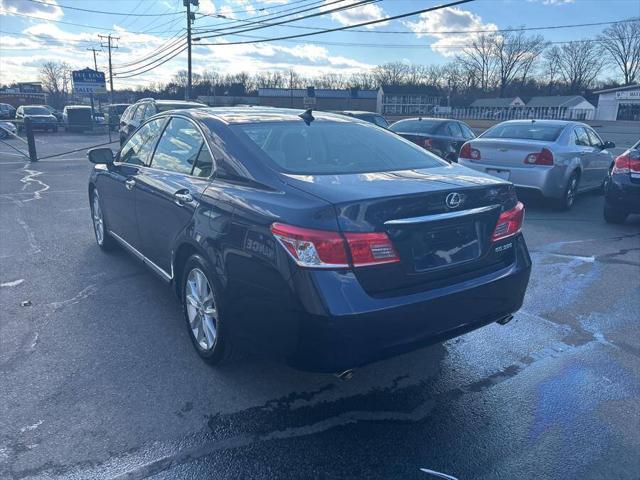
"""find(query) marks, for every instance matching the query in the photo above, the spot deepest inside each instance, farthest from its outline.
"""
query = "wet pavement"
(98, 378)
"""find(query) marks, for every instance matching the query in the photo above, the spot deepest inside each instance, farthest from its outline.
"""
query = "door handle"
(130, 184)
(182, 197)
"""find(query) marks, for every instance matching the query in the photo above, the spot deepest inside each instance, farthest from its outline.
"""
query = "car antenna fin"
(307, 116)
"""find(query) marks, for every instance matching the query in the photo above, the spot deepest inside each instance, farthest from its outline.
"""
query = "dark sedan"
(328, 239)
(440, 136)
(622, 186)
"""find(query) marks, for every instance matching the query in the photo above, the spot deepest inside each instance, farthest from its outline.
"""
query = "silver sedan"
(555, 158)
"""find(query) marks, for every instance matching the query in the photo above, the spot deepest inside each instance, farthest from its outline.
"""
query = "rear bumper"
(623, 193)
(343, 327)
(549, 181)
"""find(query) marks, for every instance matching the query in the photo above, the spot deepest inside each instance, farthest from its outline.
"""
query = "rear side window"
(179, 148)
(452, 129)
(139, 147)
(594, 139)
(380, 121)
(326, 147)
(138, 116)
(415, 126)
(525, 131)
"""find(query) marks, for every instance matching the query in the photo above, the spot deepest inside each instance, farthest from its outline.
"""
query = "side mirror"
(100, 155)
(607, 145)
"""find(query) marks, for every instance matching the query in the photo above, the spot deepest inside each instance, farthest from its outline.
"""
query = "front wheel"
(613, 215)
(203, 312)
(569, 195)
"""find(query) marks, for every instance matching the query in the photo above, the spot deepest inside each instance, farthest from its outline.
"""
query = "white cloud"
(552, 2)
(449, 20)
(50, 11)
(351, 16)
(207, 7)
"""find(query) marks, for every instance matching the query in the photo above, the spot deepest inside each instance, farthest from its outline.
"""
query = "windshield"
(416, 126)
(334, 148)
(525, 131)
(36, 111)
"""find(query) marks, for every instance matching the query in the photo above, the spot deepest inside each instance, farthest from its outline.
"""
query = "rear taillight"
(509, 223)
(427, 143)
(543, 157)
(469, 153)
(326, 249)
(626, 163)
(371, 249)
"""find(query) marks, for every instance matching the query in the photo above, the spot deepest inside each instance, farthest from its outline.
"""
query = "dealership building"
(622, 103)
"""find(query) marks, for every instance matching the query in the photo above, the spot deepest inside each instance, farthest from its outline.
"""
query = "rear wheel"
(569, 195)
(203, 312)
(103, 239)
(614, 215)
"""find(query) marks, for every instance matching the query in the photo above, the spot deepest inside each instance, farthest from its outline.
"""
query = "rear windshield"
(165, 107)
(525, 131)
(36, 111)
(334, 148)
(415, 126)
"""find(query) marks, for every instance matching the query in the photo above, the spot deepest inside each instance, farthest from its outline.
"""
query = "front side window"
(594, 139)
(580, 137)
(138, 148)
(138, 116)
(468, 133)
(453, 130)
(179, 148)
(327, 147)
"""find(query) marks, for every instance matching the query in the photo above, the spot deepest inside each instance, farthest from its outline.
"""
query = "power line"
(317, 14)
(252, 10)
(345, 27)
(156, 66)
(104, 12)
(181, 46)
(162, 48)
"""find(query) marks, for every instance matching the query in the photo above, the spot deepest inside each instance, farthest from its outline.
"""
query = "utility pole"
(190, 18)
(95, 60)
(109, 46)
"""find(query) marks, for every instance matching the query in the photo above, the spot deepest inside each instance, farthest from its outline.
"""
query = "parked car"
(338, 241)
(54, 112)
(7, 129)
(7, 111)
(77, 118)
(114, 112)
(622, 186)
(443, 137)
(371, 117)
(554, 158)
(41, 118)
(143, 109)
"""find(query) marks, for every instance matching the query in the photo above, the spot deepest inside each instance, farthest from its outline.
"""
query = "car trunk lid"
(439, 220)
(506, 152)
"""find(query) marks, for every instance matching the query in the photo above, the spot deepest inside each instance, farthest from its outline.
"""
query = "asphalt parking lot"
(99, 378)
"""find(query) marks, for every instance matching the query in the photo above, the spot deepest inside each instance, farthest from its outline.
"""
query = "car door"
(603, 156)
(117, 186)
(168, 192)
(588, 158)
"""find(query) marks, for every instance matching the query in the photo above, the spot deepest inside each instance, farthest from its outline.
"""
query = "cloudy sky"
(35, 31)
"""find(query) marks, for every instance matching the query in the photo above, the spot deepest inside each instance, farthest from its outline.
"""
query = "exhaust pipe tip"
(505, 320)
(346, 375)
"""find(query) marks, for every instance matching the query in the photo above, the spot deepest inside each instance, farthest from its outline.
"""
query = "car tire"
(203, 310)
(613, 215)
(569, 194)
(100, 229)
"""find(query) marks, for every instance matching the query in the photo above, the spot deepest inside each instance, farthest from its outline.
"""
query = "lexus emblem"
(454, 200)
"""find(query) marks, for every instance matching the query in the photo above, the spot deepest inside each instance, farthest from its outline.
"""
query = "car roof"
(358, 112)
(233, 115)
(78, 106)
(429, 119)
(559, 123)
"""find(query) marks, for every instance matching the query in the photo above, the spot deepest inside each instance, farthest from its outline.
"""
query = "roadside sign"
(88, 81)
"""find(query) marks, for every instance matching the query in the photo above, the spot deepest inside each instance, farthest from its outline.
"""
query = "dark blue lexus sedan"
(330, 239)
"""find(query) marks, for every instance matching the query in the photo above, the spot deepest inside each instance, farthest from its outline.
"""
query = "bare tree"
(514, 54)
(331, 80)
(364, 79)
(56, 81)
(621, 43)
(479, 62)
(392, 73)
(579, 63)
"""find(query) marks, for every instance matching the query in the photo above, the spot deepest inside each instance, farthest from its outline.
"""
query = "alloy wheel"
(201, 309)
(98, 222)
(571, 191)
